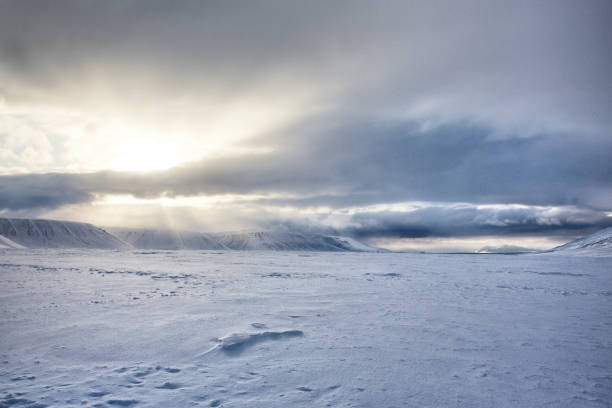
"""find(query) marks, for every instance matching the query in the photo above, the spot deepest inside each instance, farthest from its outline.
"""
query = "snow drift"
(39, 233)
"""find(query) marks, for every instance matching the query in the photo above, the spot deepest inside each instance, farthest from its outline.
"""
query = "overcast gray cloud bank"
(524, 64)
(455, 220)
(466, 220)
(481, 102)
(346, 166)
(358, 163)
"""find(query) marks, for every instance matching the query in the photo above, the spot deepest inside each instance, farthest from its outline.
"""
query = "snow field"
(277, 329)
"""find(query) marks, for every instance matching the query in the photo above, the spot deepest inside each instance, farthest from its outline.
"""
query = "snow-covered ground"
(109, 328)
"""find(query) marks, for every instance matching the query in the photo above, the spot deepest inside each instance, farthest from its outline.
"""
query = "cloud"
(307, 105)
(469, 220)
(361, 163)
(35, 192)
(426, 221)
(531, 66)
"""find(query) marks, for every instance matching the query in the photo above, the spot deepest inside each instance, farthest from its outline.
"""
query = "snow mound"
(236, 343)
(166, 239)
(291, 241)
(40, 233)
(599, 242)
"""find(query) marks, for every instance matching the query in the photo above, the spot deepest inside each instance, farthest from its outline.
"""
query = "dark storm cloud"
(467, 220)
(448, 220)
(35, 191)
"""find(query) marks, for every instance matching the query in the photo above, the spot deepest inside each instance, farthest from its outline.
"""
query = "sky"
(413, 125)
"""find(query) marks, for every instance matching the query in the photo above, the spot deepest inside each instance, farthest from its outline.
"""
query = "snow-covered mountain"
(251, 240)
(599, 242)
(166, 239)
(39, 233)
(291, 241)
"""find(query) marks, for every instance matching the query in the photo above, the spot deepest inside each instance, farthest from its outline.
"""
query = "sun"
(144, 155)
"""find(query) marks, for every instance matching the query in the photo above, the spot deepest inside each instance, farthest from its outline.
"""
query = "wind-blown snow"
(303, 329)
(39, 233)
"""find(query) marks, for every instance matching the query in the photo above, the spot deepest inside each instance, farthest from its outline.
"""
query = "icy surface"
(299, 329)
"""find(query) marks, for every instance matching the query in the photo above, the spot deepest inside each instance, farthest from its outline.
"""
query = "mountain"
(275, 241)
(291, 241)
(39, 233)
(166, 239)
(598, 243)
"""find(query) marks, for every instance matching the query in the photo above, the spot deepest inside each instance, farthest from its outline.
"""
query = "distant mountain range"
(21, 233)
(248, 240)
(166, 239)
(39, 233)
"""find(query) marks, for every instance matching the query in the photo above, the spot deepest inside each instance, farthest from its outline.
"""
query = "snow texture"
(267, 329)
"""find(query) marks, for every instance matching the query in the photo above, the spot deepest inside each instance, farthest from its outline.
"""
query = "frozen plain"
(104, 328)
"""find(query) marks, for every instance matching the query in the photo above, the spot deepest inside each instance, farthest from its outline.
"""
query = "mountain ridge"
(166, 239)
(24, 233)
(599, 242)
(20, 233)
